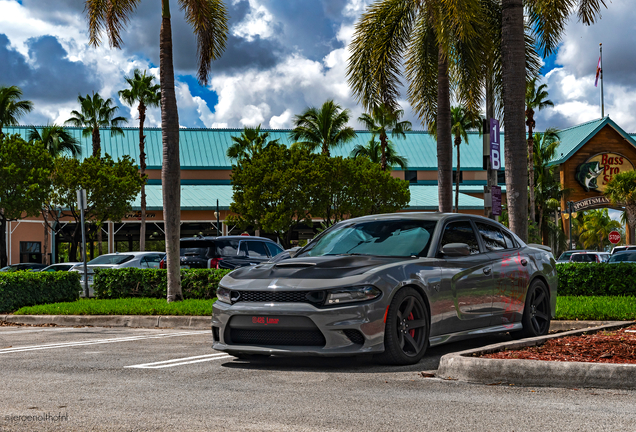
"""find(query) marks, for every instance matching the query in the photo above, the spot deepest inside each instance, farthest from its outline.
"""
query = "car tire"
(407, 329)
(536, 312)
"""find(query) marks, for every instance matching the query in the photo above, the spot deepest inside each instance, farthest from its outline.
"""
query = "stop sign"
(614, 237)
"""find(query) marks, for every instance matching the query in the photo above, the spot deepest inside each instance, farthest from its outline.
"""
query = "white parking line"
(181, 361)
(97, 341)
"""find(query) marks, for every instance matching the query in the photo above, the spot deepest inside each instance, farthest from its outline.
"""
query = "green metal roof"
(206, 148)
(203, 197)
(572, 139)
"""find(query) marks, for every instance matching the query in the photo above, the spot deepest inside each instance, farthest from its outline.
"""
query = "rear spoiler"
(540, 246)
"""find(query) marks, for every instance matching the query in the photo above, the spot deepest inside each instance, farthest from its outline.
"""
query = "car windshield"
(623, 257)
(111, 259)
(380, 238)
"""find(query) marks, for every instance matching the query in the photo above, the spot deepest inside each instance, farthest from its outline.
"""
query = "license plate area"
(271, 322)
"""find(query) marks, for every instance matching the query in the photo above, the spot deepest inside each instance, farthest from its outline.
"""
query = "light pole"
(570, 204)
(81, 204)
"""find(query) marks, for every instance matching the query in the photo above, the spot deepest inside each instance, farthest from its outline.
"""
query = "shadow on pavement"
(360, 364)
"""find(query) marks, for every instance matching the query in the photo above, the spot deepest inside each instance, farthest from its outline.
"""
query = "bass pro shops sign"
(597, 171)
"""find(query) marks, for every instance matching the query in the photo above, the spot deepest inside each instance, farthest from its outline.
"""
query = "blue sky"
(282, 56)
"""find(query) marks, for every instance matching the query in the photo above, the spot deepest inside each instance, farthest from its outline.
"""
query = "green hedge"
(23, 288)
(152, 283)
(583, 279)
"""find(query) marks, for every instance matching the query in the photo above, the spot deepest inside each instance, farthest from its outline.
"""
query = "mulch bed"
(10, 324)
(617, 346)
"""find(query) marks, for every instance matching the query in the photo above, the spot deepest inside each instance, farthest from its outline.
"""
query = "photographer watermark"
(42, 417)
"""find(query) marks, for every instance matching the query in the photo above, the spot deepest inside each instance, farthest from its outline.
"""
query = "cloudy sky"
(282, 56)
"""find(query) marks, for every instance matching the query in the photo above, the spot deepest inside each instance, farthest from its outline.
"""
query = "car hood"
(308, 272)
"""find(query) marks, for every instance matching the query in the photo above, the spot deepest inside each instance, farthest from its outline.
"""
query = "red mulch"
(605, 347)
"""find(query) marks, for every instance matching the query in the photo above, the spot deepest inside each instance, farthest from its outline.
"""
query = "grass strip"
(126, 306)
(596, 308)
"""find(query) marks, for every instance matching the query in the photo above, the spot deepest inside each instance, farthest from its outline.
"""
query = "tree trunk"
(73, 249)
(541, 230)
(170, 169)
(3, 240)
(142, 173)
(444, 137)
(383, 151)
(630, 212)
(97, 145)
(458, 141)
(530, 124)
(99, 238)
(514, 88)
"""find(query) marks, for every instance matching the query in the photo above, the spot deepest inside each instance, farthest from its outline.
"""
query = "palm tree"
(325, 128)
(382, 121)
(209, 20)
(249, 144)
(621, 190)
(461, 122)
(548, 19)
(96, 113)
(57, 140)
(435, 39)
(536, 99)
(11, 107)
(373, 152)
(597, 225)
(548, 189)
(146, 94)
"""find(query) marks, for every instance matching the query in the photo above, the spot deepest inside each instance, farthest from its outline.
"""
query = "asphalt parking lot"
(103, 379)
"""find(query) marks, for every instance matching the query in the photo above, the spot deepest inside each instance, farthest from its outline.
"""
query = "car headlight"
(224, 295)
(353, 294)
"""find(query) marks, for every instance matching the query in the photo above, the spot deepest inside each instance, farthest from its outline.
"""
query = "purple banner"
(495, 192)
(495, 153)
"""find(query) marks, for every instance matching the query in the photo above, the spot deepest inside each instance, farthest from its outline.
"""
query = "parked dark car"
(565, 256)
(389, 285)
(227, 252)
(34, 267)
(623, 256)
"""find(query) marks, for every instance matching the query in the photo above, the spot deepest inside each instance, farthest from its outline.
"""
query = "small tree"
(11, 107)
(110, 188)
(143, 92)
(621, 189)
(25, 184)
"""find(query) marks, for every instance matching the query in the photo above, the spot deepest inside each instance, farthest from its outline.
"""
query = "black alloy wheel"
(536, 313)
(407, 329)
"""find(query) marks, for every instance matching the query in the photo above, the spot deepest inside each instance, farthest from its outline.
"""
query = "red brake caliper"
(412, 331)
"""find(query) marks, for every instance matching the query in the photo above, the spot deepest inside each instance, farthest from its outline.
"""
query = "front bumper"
(367, 318)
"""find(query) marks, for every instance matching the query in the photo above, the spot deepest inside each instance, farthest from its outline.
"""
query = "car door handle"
(524, 262)
(487, 270)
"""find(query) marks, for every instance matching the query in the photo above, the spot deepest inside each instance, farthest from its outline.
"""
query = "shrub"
(597, 279)
(22, 288)
(152, 283)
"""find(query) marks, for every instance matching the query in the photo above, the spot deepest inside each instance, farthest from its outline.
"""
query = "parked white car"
(118, 260)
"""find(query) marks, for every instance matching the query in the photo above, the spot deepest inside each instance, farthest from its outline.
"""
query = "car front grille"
(268, 337)
(312, 297)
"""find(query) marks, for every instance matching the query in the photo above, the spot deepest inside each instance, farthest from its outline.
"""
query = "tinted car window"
(461, 232)
(111, 259)
(493, 238)
(379, 238)
(151, 261)
(583, 258)
(273, 249)
(226, 247)
(510, 243)
(256, 249)
(195, 248)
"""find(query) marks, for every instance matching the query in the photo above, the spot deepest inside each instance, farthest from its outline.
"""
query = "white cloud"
(279, 122)
(256, 23)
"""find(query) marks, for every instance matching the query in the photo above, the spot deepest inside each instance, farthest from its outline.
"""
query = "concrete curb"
(467, 366)
(142, 321)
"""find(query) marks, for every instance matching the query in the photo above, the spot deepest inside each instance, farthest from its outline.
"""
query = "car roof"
(234, 237)
(131, 253)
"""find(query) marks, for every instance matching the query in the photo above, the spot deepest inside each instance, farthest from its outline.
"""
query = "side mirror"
(456, 249)
(293, 251)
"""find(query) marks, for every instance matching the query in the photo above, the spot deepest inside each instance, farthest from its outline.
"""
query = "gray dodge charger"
(390, 285)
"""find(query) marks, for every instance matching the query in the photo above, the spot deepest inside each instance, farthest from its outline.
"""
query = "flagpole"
(602, 100)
